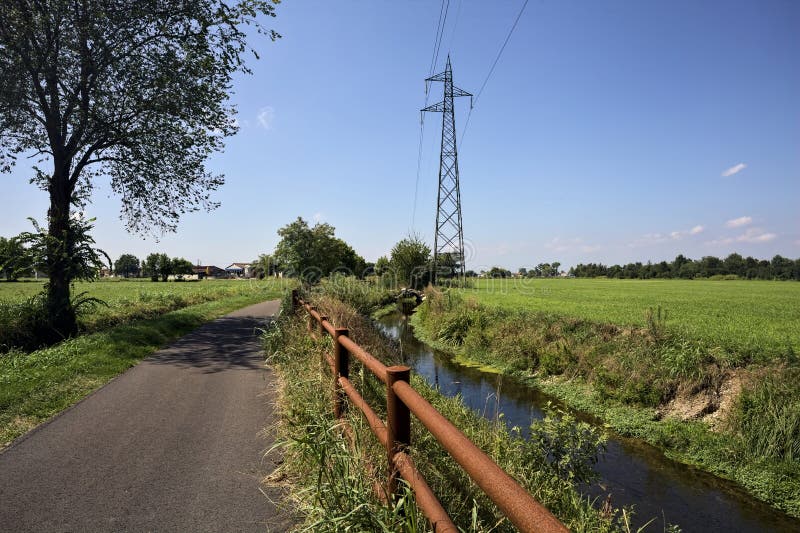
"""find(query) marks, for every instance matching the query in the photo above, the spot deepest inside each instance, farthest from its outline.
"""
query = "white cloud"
(738, 222)
(755, 235)
(720, 242)
(735, 169)
(557, 244)
(656, 238)
(265, 117)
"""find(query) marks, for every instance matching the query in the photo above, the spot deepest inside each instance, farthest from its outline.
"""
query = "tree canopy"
(410, 262)
(311, 253)
(127, 265)
(779, 268)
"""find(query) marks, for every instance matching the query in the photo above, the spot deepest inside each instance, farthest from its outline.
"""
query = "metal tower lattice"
(448, 245)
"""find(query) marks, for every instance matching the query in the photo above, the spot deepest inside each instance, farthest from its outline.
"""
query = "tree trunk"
(61, 315)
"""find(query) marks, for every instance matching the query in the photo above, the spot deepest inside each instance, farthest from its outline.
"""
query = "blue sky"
(609, 131)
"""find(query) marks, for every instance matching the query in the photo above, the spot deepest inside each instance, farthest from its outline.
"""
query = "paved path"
(174, 444)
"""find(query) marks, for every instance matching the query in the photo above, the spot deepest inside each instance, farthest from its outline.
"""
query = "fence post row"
(341, 366)
(398, 423)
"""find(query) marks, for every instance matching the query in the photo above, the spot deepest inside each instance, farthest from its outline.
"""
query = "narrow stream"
(632, 472)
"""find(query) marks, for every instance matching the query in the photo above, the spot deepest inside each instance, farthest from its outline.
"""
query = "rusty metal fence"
(402, 400)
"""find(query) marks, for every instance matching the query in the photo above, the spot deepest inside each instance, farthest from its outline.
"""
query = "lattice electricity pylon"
(448, 244)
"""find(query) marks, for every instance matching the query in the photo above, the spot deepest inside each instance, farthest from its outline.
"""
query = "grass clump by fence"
(365, 296)
(334, 484)
(700, 404)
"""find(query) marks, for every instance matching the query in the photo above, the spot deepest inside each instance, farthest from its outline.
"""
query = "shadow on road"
(225, 344)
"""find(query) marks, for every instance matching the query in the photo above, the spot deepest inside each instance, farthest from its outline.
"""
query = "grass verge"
(333, 483)
(35, 386)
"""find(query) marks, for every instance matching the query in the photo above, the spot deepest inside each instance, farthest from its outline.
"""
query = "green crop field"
(748, 317)
(126, 300)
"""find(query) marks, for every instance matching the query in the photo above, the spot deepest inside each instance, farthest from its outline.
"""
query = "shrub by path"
(173, 444)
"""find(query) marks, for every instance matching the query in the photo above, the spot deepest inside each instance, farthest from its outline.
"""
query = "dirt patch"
(729, 391)
(711, 402)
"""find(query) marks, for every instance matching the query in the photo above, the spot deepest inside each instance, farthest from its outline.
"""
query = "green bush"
(24, 324)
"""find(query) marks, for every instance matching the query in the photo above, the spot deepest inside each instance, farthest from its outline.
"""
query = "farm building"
(242, 270)
(209, 272)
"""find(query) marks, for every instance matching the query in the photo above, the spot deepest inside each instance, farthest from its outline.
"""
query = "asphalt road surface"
(174, 444)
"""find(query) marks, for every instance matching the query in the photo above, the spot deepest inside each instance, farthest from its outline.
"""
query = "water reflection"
(633, 473)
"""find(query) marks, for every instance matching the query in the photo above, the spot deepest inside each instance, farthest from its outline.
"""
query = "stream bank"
(632, 472)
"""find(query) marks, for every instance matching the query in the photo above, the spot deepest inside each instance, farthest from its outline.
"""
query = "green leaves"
(311, 253)
(73, 249)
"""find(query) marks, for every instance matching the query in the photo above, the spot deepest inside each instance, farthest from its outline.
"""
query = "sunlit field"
(124, 300)
(743, 316)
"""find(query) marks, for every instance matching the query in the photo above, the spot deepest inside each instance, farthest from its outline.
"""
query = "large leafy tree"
(127, 265)
(181, 267)
(136, 90)
(264, 266)
(311, 253)
(410, 262)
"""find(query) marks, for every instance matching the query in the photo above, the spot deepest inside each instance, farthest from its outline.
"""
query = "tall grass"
(767, 416)
(334, 483)
(364, 296)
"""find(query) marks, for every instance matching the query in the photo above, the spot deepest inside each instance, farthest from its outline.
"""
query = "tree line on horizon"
(733, 266)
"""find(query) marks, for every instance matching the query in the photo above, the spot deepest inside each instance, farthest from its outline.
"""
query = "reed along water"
(631, 471)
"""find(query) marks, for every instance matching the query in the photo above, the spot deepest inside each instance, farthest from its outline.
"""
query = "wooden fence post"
(398, 423)
(311, 319)
(341, 361)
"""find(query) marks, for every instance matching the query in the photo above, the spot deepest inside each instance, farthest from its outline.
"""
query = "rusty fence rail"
(402, 400)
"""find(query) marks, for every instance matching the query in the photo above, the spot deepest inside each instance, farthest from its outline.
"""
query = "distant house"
(241, 270)
(209, 272)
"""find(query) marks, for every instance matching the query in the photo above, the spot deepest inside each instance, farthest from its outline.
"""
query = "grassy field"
(752, 318)
(126, 300)
(141, 317)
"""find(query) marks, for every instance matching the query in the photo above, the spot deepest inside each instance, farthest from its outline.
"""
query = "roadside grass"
(751, 320)
(123, 301)
(333, 483)
(37, 385)
(628, 376)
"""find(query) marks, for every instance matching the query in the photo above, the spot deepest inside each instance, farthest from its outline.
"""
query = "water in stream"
(633, 472)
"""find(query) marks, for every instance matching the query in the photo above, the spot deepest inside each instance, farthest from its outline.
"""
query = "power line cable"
(455, 25)
(491, 70)
(441, 34)
(437, 42)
